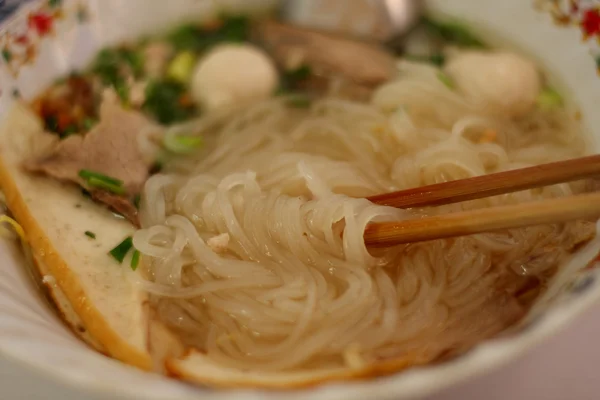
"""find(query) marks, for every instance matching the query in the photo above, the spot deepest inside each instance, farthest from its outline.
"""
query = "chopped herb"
(300, 101)
(69, 130)
(292, 79)
(54, 3)
(199, 39)
(453, 32)
(549, 99)
(446, 80)
(101, 181)
(89, 123)
(90, 234)
(135, 260)
(135, 60)
(122, 249)
(136, 200)
(109, 187)
(181, 144)
(7, 55)
(437, 59)
(163, 102)
(182, 66)
(87, 175)
(109, 65)
(51, 124)
(16, 93)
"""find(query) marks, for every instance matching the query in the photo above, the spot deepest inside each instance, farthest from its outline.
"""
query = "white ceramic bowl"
(50, 37)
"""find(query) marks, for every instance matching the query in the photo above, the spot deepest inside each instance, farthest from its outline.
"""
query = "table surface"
(564, 367)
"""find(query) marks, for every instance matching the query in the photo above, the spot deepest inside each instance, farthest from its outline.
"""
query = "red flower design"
(41, 22)
(22, 39)
(574, 6)
(591, 22)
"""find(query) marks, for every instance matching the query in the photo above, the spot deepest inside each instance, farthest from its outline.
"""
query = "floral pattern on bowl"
(51, 37)
(582, 14)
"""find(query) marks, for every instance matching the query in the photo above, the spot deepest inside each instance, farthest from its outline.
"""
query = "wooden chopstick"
(558, 210)
(492, 184)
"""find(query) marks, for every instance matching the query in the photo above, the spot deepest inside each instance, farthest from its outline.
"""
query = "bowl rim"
(415, 382)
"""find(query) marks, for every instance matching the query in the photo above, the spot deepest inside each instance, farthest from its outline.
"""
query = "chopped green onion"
(89, 123)
(100, 181)
(109, 187)
(437, 59)
(135, 260)
(182, 66)
(446, 80)
(51, 123)
(69, 130)
(300, 101)
(90, 234)
(87, 175)
(291, 79)
(122, 249)
(163, 102)
(136, 201)
(200, 39)
(453, 32)
(549, 99)
(122, 91)
(181, 144)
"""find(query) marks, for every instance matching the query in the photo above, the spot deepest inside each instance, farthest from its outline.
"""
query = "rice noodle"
(295, 286)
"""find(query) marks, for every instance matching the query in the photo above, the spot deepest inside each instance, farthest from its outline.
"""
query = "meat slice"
(113, 148)
(362, 63)
(122, 205)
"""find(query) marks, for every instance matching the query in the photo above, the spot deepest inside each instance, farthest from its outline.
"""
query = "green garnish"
(300, 101)
(453, 32)
(87, 175)
(135, 260)
(109, 187)
(109, 65)
(69, 130)
(90, 234)
(446, 80)
(135, 60)
(181, 144)
(89, 123)
(549, 99)
(101, 181)
(437, 59)
(122, 249)
(7, 55)
(199, 39)
(164, 102)
(291, 79)
(136, 200)
(122, 91)
(182, 66)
